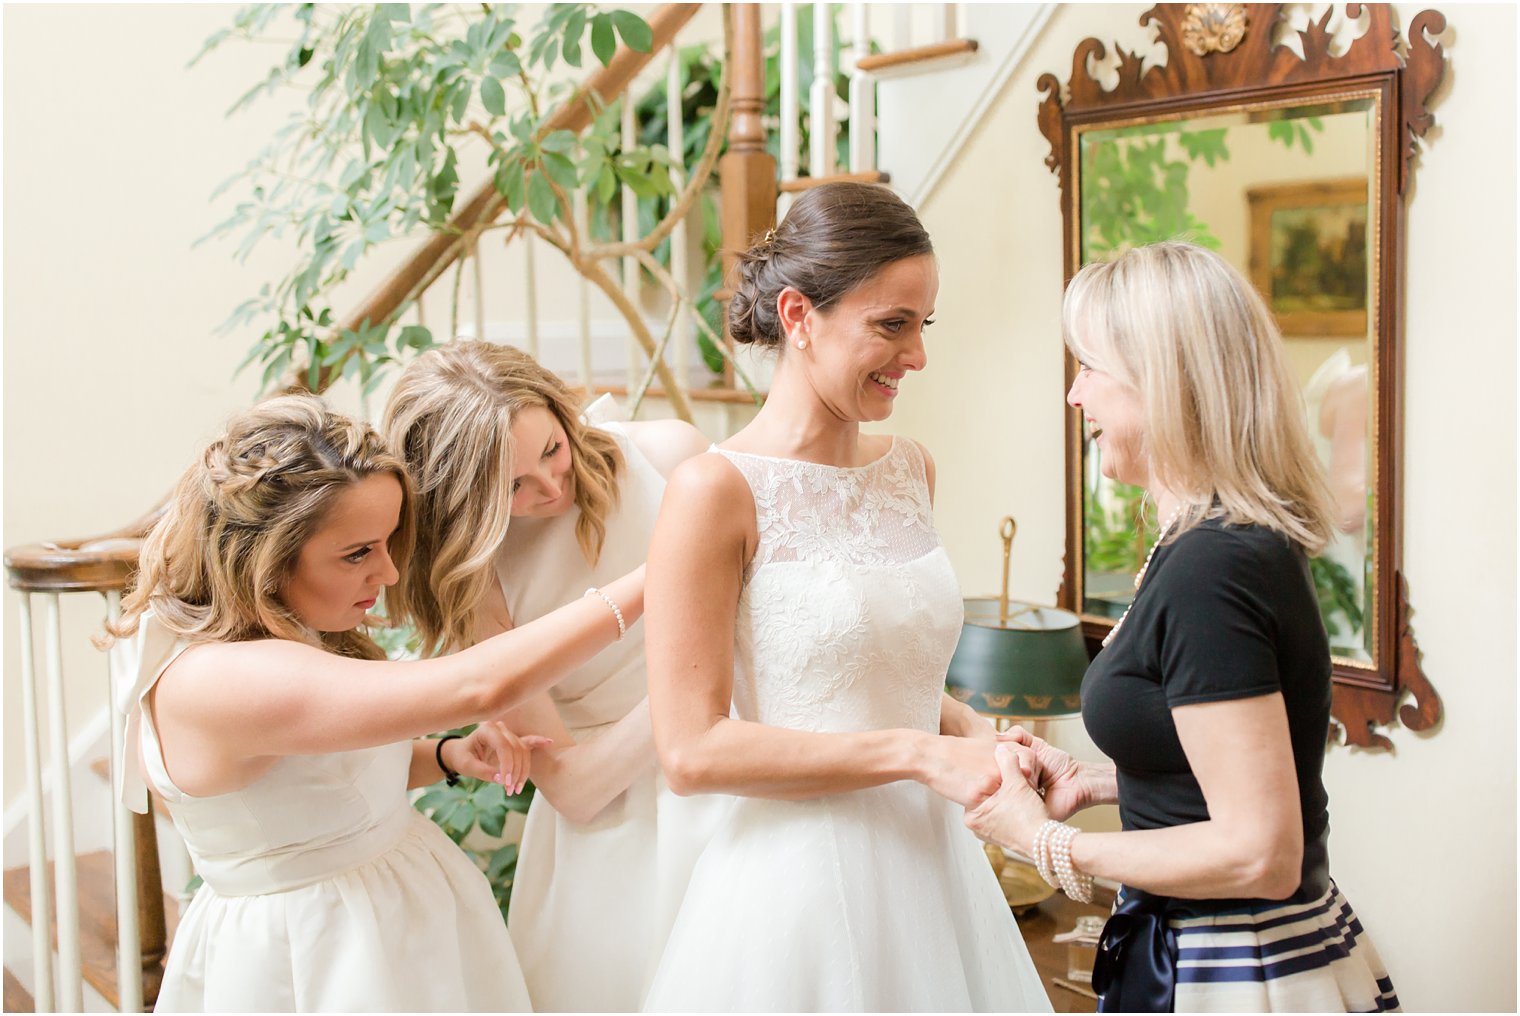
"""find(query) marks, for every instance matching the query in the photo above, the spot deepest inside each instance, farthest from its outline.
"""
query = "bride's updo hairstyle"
(212, 568)
(835, 237)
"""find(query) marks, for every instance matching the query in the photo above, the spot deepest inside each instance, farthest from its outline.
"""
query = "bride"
(795, 572)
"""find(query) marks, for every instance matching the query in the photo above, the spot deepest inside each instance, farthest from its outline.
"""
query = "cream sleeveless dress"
(870, 900)
(325, 891)
(591, 904)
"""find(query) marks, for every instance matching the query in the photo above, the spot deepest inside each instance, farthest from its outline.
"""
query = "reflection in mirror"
(1286, 194)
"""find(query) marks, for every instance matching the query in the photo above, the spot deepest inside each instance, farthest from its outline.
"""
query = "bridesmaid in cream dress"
(279, 734)
(523, 506)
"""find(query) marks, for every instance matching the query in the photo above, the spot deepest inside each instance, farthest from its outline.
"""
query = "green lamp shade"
(1029, 666)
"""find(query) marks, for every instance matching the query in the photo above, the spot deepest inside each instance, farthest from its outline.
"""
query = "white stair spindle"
(630, 216)
(821, 130)
(123, 846)
(583, 291)
(902, 26)
(65, 876)
(862, 95)
(679, 270)
(947, 26)
(480, 291)
(42, 919)
(530, 294)
(790, 135)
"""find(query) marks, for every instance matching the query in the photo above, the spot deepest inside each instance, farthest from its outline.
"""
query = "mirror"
(1283, 193)
(1292, 167)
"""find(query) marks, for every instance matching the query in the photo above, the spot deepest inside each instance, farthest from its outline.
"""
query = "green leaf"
(505, 64)
(635, 31)
(493, 96)
(503, 862)
(603, 39)
(541, 200)
(512, 185)
(575, 26)
(561, 170)
(562, 142)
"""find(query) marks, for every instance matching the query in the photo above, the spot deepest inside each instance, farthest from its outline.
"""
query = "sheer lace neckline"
(883, 457)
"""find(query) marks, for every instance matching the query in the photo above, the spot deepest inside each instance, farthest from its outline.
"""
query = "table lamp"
(1016, 661)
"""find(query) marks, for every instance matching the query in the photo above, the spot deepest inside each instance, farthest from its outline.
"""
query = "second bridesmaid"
(523, 507)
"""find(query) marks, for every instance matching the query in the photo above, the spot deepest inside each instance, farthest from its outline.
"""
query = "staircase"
(88, 966)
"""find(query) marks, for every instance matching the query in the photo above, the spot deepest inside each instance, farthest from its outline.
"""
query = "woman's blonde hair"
(212, 568)
(1224, 417)
(450, 416)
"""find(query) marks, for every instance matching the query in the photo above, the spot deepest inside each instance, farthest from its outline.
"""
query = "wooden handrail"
(918, 54)
(94, 564)
(803, 183)
(443, 248)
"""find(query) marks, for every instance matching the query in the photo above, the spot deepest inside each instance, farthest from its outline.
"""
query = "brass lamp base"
(1023, 887)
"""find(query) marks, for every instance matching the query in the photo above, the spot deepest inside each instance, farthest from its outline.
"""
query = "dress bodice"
(850, 610)
(541, 567)
(305, 819)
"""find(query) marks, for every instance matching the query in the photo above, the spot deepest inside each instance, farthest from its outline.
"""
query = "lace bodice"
(850, 610)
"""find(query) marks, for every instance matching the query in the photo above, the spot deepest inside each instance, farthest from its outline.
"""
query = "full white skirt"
(875, 900)
(414, 930)
(593, 903)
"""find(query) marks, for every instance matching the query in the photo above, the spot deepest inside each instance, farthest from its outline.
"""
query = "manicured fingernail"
(498, 779)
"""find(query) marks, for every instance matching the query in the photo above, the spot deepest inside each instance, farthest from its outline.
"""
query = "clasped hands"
(494, 754)
(1039, 783)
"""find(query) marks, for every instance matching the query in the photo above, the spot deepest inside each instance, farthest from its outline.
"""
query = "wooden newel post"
(747, 172)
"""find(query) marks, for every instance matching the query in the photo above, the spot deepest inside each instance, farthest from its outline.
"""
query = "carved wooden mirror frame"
(1221, 57)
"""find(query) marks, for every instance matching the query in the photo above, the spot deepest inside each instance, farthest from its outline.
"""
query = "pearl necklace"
(1166, 527)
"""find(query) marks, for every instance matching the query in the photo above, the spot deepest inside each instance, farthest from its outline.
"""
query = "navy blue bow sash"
(1136, 966)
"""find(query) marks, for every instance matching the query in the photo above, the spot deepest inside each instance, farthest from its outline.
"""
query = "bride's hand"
(493, 752)
(1013, 815)
(962, 769)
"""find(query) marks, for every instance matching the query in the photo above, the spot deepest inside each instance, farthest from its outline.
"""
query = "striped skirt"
(1290, 956)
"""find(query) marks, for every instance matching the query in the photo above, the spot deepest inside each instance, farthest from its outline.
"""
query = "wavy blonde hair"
(450, 416)
(212, 568)
(1224, 416)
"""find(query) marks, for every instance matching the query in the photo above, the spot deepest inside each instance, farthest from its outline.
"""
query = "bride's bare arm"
(703, 539)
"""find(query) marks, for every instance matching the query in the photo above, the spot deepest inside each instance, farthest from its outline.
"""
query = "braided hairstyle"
(835, 237)
(213, 567)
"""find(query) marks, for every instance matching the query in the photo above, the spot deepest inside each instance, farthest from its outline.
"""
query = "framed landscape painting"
(1309, 255)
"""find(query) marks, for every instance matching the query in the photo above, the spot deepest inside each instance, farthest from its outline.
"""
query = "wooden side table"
(1050, 918)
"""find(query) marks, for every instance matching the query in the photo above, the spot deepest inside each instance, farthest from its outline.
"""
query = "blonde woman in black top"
(1212, 694)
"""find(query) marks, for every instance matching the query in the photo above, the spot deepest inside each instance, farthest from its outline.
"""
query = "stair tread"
(917, 54)
(97, 916)
(16, 997)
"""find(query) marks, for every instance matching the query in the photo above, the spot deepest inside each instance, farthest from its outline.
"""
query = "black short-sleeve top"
(1224, 612)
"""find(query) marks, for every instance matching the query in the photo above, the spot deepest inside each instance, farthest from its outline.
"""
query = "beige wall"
(1423, 838)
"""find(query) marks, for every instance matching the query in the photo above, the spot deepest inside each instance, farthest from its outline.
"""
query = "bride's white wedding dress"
(876, 899)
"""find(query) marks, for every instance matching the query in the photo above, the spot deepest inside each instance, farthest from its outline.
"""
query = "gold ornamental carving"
(1210, 28)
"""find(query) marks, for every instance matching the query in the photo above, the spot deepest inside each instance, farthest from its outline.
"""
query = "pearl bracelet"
(1052, 857)
(616, 612)
(1041, 852)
